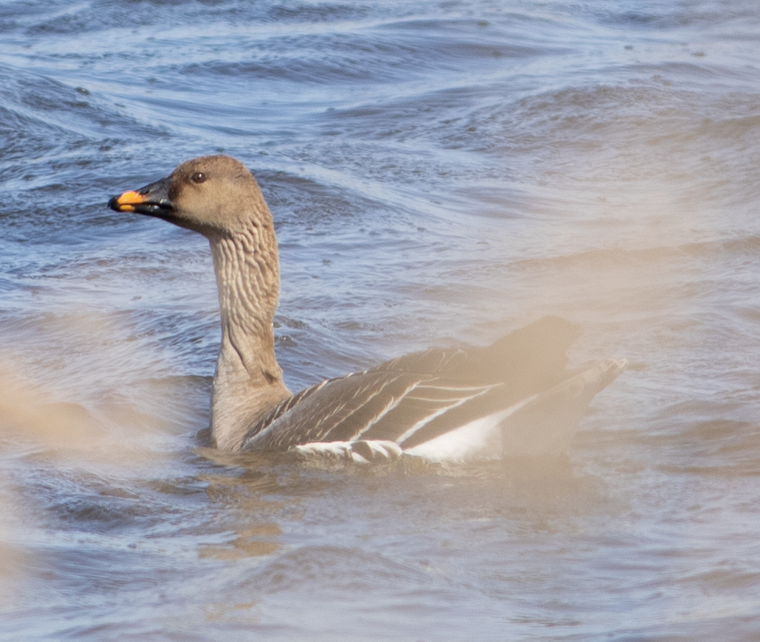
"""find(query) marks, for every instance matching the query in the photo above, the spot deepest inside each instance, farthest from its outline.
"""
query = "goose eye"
(198, 177)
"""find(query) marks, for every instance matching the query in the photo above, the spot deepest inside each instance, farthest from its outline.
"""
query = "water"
(439, 173)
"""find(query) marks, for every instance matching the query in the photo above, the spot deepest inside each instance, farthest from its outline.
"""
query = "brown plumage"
(412, 403)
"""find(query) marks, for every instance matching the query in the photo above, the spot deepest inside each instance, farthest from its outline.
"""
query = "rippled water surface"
(439, 173)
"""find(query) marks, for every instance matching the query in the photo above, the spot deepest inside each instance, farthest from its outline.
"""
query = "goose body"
(515, 397)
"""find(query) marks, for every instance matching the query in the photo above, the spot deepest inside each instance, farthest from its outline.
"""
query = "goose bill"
(152, 200)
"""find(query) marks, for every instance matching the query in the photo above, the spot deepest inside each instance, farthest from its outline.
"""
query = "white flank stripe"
(479, 438)
(437, 413)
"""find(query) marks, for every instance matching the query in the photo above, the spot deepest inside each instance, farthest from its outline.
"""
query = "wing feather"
(414, 412)
(420, 396)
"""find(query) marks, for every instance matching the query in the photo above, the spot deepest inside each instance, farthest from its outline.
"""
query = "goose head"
(213, 195)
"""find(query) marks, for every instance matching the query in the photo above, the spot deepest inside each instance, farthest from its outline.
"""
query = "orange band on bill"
(130, 198)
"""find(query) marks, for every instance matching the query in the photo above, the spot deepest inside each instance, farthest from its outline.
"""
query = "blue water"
(439, 173)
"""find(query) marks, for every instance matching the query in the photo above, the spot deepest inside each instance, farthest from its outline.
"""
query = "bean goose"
(514, 397)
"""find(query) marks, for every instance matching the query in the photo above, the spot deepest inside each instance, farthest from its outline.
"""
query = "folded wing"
(422, 397)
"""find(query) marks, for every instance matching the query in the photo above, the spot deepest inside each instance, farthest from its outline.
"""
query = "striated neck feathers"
(248, 378)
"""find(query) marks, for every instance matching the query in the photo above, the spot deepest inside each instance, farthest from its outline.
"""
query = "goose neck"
(248, 378)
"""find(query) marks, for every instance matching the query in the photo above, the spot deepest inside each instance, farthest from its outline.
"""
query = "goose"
(515, 397)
